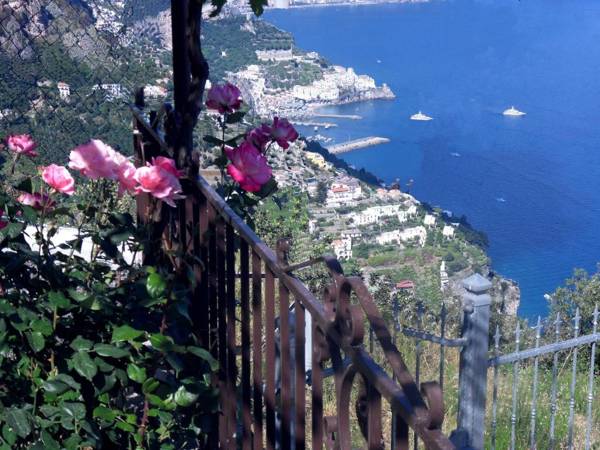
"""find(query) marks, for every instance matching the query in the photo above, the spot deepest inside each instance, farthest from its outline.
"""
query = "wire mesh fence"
(68, 68)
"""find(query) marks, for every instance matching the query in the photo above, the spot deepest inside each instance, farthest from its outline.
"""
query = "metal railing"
(242, 313)
(557, 349)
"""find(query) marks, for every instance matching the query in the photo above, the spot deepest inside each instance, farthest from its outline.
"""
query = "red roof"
(405, 284)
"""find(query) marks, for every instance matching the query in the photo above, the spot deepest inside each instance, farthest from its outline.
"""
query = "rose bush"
(244, 157)
(96, 349)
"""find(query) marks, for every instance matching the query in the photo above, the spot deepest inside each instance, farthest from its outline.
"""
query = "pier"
(316, 124)
(356, 144)
(337, 116)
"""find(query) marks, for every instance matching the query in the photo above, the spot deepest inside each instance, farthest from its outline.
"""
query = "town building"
(64, 90)
(448, 231)
(344, 193)
(429, 220)
(155, 91)
(342, 248)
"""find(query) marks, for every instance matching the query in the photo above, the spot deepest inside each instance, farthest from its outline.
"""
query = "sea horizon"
(528, 182)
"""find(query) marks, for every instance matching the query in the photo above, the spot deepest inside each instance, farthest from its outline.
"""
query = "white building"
(429, 220)
(444, 279)
(312, 226)
(112, 91)
(155, 91)
(275, 55)
(418, 234)
(373, 214)
(343, 193)
(403, 216)
(448, 231)
(64, 90)
(342, 248)
(388, 237)
(412, 211)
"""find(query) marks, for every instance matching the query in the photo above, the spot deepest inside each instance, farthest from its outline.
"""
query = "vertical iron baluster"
(300, 397)
(590, 397)
(257, 353)
(317, 390)
(270, 356)
(401, 434)
(222, 330)
(495, 389)
(442, 348)
(231, 336)
(573, 382)
(285, 350)
(245, 307)
(374, 433)
(553, 402)
(535, 384)
(212, 281)
(418, 362)
(204, 301)
(513, 417)
(210, 277)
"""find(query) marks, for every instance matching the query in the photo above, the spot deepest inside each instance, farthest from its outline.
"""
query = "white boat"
(455, 154)
(420, 116)
(512, 111)
(501, 200)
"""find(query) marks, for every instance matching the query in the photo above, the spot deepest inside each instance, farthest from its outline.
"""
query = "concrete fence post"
(473, 364)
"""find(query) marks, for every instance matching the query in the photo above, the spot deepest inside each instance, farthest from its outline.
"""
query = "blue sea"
(531, 183)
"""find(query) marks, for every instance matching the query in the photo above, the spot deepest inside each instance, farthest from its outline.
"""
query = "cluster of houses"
(345, 191)
(111, 91)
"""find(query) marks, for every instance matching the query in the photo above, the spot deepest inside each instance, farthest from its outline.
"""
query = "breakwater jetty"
(337, 116)
(357, 144)
(316, 124)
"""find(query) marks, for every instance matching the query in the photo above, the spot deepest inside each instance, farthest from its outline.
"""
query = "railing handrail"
(407, 402)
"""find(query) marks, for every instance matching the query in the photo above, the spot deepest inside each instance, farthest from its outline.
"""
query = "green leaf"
(79, 296)
(25, 186)
(104, 413)
(81, 344)
(73, 410)
(136, 373)
(125, 333)
(54, 387)
(43, 326)
(19, 421)
(9, 435)
(36, 341)
(258, 6)
(235, 117)
(213, 140)
(206, 356)
(110, 351)
(185, 398)
(156, 285)
(150, 385)
(84, 365)
(49, 442)
(58, 300)
(161, 342)
(125, 427)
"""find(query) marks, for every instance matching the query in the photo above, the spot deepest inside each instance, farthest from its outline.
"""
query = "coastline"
(343, 3)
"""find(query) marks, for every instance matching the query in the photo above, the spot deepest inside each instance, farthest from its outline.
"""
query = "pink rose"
(22, 144)
(36, 201)
(283, 132)
(259, 137)
(59, 179)
(159, 181)
(125, 171)
(3, 223)
(248, 167)
(95, 160)
(225, 98)
(167, 164)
